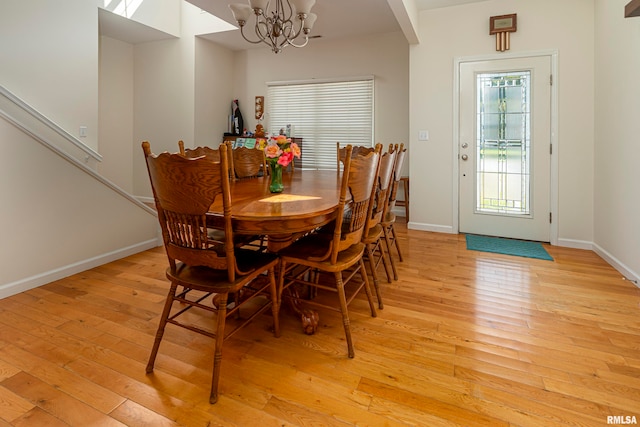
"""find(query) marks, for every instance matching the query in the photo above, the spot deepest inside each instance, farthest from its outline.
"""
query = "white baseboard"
(9, 289)
(575, 244)
(430, 227)
(626, 272)
(399, 211)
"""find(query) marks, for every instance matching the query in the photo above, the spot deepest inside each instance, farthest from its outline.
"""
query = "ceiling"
(336, 19)
(127, 30)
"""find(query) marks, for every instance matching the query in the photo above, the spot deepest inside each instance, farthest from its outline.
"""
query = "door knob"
(464, 157)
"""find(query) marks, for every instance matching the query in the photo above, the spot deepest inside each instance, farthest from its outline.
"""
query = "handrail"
(67, 136)
(46, 121)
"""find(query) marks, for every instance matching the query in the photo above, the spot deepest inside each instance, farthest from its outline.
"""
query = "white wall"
(49, 58)
(617, 145)
(59, 220)
(163, 101)
(463, 31)
(385, 56)
(116, 112)
(213, 93)
(165, 88)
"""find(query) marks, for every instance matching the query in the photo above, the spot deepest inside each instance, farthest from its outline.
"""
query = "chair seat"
(313, 249)
(238, 239)
(216, 281)
(389, 219)
(375, 252)
(375, 233)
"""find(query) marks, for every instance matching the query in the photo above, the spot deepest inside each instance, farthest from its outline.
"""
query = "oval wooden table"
(309, 200)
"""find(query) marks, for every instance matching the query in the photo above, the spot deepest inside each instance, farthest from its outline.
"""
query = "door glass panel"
(503, 144)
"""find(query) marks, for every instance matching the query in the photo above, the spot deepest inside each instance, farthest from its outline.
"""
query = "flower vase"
(276, 185)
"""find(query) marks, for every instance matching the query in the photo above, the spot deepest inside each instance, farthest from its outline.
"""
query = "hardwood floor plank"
(13, 405)
(535, 400)
(147, 392)
(37, 417)
(446, 405)
(619, 403)
(466, 338)
(79, 388)
(56, 402)
(135, 415)
(299, 415)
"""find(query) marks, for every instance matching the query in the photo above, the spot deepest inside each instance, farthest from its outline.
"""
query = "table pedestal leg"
(309, 318)
(275, 242)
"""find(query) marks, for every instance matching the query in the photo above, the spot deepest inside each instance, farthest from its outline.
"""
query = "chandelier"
(280, 26)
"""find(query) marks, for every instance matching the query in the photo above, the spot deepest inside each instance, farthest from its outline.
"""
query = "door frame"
(553, 183)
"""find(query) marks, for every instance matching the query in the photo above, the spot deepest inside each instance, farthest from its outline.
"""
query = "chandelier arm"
(281, 24)
(264, 30)
(290, 15)
(250, 41)
(306, 40)
(288, 27)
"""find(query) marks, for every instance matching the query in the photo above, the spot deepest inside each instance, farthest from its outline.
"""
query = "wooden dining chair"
(389, 217)
(338, 253)
(211, 154)
(204, 272)
(249, 163)
(374, 237)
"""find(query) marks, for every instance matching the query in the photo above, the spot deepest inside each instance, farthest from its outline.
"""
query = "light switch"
(423, 135)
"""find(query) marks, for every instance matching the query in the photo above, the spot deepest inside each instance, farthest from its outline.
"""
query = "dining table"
(309, 200)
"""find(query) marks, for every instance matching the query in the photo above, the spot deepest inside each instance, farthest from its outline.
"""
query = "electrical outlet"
(83, 131)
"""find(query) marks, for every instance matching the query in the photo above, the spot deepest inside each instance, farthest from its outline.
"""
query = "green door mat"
(507, 246)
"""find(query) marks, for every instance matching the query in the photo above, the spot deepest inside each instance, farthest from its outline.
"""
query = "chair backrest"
(384, 181)
(358, 181)
(397, 174)
(208, 152)
(357, 150)
(341, 153)
(184, 189)
(249, 162)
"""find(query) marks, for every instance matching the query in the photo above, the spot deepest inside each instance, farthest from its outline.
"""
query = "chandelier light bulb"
(241, 12)
(308, 23)
(259, 4)
(303, 6)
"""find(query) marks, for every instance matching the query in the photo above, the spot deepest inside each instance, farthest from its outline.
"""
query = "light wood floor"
(466, 338)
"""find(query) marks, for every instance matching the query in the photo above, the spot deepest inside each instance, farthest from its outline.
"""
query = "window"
(323, 113)
(504, 143)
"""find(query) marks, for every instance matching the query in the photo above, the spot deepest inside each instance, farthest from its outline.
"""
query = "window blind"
(323, 113)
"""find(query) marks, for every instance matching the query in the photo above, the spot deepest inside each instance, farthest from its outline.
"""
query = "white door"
(504, 148)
